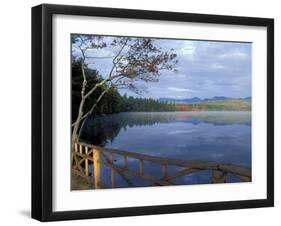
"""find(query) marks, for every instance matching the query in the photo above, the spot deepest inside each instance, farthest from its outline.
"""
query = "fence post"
(112, 176)
(125, 162)
(164, 170)
(86, 162)
(97, 168)
(219, 176)
(141, 167)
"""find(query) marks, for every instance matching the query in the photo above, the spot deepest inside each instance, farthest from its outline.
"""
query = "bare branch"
(114, 59)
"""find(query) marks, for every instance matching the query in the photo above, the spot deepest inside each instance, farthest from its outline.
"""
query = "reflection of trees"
(100, 132)
(103, 129)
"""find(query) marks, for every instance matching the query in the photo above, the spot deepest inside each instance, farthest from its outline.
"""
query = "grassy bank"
(217, 105)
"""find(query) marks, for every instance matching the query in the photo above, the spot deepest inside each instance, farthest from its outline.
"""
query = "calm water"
(223, 137)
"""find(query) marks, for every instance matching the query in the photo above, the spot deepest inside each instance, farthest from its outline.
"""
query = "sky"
(205, 69)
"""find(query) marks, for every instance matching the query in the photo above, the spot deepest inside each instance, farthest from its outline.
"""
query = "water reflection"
(102, 130)
(222, 137)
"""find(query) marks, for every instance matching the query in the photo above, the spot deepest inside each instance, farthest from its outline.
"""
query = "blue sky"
(205, 69)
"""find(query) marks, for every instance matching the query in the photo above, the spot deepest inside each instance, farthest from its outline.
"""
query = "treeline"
(131, 104)
(112, 101)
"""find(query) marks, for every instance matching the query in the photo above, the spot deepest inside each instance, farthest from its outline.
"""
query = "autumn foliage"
(183, 108)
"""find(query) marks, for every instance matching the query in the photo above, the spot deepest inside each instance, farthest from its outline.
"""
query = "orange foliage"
(183, 108)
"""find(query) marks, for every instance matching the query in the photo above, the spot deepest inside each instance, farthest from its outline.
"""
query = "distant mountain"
(217, 98)
(195, 100)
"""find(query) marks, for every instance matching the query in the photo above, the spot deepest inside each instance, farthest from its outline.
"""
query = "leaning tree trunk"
(75, 137)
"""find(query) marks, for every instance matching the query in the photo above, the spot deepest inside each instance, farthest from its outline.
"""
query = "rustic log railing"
(83, 154)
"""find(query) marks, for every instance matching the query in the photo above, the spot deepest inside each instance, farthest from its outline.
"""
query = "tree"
(134, 59)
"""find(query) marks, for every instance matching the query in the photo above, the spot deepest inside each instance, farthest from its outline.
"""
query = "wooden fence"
(84, 155)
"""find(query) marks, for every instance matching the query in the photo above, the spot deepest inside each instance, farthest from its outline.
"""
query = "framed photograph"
(146, 112)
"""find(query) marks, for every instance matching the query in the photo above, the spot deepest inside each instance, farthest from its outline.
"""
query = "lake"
(223, 137)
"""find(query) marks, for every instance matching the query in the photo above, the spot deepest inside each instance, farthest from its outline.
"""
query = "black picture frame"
(42, 111)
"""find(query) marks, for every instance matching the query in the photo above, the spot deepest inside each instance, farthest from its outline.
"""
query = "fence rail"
(84, 154)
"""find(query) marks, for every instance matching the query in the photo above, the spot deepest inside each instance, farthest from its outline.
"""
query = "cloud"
(217, 66)
(234, 55)
(205, 69)
(181, 89)
(188, 49)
